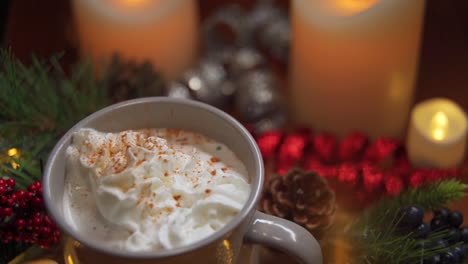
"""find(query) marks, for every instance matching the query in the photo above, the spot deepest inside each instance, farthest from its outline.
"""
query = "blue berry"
(432, 260)
(453, 236)
(464, 234)
(442, 213)
(438, 224)
(460, 250)
(450, 258)
(456, 256)
(423, 230)
(455, 219)
(411, 216)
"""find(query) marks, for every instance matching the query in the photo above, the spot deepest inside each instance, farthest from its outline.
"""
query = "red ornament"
(417, 178)
(325, 146)
(381, 149)
(348, 174)
(313, 163)
(393, 185)
(372, 177)
(291, 151)
(352, 147)
(268, 143)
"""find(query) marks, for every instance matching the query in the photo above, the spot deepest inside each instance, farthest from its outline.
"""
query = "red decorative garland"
(368, 168)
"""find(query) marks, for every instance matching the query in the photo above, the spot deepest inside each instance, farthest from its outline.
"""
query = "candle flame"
(439, 124)
(133, 3)
(354, 6)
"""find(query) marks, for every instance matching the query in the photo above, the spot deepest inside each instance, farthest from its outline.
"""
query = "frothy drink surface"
(151, 189)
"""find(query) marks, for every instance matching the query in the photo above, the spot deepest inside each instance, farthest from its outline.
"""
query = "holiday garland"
(368, 169)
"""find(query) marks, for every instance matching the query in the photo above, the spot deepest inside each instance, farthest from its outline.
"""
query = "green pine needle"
(431, 196)
(377, 229)
(38, 104)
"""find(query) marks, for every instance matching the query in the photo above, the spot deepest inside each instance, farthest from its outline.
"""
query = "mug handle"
(285, 236)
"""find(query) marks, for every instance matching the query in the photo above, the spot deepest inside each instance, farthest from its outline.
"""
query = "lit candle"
(353, 64)
(437, 134)
(162, 31)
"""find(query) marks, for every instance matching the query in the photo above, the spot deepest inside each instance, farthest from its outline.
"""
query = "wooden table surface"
(44, 27)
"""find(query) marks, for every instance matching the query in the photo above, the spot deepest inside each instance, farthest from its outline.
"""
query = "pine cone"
(302, 197)
(128, 80)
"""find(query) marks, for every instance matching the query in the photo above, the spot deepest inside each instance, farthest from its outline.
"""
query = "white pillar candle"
(437, 134)
(354, 63)
(162, 31)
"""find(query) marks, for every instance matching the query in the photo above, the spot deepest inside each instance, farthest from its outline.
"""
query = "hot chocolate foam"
(151, 189)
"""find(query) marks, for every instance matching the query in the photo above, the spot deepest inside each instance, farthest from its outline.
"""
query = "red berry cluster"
(22, 216)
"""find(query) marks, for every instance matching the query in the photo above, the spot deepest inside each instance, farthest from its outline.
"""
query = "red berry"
(14, 197)
(10, 202)
(7, 211)
(48, 221)
(37, 202)
(21, 194)
(2, 182)
(10, 183)
(2, 189)
(32, 188)
(37, 221)
(20, 223)
(56, 236)
(7, 237)
(22, 205)
(45, 231)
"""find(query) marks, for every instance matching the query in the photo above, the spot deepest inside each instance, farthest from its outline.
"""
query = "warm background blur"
(45, 27)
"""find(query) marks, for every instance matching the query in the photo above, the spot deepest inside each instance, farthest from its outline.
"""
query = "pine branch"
(39, 103)
(431, 196)
(377, 229)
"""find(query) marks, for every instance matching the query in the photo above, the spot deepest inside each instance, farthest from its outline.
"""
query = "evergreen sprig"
(377, 229)
(429, 197)
(38, 103)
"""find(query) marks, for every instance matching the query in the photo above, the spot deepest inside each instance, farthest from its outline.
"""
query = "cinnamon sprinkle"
(140, 162)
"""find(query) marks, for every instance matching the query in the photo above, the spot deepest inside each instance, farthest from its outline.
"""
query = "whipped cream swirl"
(151, 189)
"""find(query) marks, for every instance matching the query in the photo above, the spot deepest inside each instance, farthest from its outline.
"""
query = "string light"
(13, 153)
